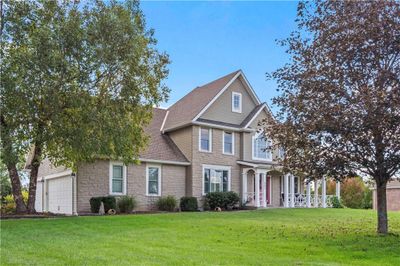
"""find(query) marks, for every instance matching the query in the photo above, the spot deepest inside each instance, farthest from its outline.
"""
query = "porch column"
(264, 190)
(291, 191)
(315, 193)
(338, 189)
(244, 187)
(286, 191)
(323, 192)
(308, 195)
(257, 190)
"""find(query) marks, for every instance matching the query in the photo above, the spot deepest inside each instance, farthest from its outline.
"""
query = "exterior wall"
(46, 168)
(216, 157)
(93, 181)
(392, 196)
(275, 190)
(221, 110)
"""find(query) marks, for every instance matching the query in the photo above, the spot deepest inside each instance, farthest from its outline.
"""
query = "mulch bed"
(30, 216)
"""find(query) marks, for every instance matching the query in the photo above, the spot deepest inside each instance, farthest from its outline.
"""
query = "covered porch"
(265, 186)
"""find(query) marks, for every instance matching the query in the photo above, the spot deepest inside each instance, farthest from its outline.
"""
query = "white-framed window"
(228, 143)
(216, 178)
(281, 153)
(236, 102)
(260, 145)
(117, 178)
(153, 180)
(205, 139)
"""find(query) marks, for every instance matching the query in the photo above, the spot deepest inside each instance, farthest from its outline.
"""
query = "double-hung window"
(216, 179)
(261, 148)
(228, 143)
(205, 139)
(117, 178)
(153, 180)
(236, 102)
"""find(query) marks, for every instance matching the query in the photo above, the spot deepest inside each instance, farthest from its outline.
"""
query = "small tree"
(78, 82)
(340, 93)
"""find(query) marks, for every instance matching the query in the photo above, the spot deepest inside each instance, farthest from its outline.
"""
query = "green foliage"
(78, 80)
(352, 193)
(95, 203)
(126, 204)
(335, 201)
(188, 204)
(109, 203)
(5, 184)
(167, 203)
(225, 200)
(367, 199)
(8, 202)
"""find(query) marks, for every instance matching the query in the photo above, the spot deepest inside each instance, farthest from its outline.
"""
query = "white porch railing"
(300, 200)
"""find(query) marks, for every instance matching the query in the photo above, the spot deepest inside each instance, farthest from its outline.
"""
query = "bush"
(95, 203)
(352, 193)
(367, 199)
(167, 203)
(225, 200)
(216, 199)
(188, 204)
(232, 199)
(8, 203)
(336, 202)
(126, 204)
(108, 201)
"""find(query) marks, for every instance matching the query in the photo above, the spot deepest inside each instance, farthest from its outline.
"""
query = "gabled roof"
(161, 147)
(187, 108)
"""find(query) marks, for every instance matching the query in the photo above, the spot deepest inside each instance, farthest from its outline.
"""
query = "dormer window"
(236, 102)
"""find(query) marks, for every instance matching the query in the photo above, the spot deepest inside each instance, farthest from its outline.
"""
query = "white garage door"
(60, 195)
(39, 197)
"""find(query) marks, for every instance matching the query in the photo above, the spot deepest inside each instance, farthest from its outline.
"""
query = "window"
(228, 143)
(260, 145)
(205, 139)
(236, 102)
(281, 153)
(153, 180)
(216, 179)
(117, 178)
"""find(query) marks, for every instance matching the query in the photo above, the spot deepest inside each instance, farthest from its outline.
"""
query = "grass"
(268, 237)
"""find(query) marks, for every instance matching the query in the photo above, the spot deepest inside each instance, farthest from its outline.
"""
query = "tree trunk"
(37, 153)
(382, 208)
(16, 188)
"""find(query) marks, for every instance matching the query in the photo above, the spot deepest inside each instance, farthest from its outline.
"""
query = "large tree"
(78, 82)
(340, 93)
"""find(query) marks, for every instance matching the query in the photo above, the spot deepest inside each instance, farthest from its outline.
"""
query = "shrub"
(336, 202)
(188, 204)
(367, 199)
(108, 201)
(225, 200)
(95, 203)
(232, 199)
(126, 204)
(8, 203)
(352, 193)
(167, 203)
(216, 199)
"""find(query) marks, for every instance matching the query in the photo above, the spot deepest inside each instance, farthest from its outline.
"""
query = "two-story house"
(207, 141)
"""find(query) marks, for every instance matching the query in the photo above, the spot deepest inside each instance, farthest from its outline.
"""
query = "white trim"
(234, 93)
(217, 96)
(163, 162)
(165, 119)
(147, 179)
(124, 173)
(209, 140)
(255, 115)
(233, 143)
(253, 156)
(56, 175)
(236, 129)
(215, 167)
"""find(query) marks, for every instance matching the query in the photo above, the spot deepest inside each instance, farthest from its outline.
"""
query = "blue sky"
(206, 40)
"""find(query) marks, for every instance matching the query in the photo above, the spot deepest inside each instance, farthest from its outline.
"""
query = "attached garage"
(56, 193)
(59, 195)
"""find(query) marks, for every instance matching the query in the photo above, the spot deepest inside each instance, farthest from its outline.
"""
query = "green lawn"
(276, 236)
